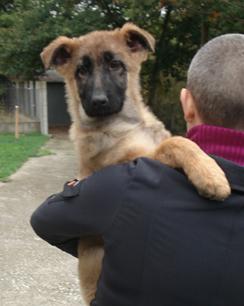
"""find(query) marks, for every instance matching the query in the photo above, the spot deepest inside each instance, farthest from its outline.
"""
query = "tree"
(32, 24)
(181, 28)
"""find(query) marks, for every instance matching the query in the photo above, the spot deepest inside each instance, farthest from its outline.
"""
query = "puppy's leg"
(201, 169)
(91, 254)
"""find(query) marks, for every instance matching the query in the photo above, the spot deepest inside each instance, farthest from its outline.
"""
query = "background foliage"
(179, 26)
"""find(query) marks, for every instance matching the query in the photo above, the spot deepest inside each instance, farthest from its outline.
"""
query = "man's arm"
(88, 208)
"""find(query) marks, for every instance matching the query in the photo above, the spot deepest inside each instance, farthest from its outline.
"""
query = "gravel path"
(34, 273)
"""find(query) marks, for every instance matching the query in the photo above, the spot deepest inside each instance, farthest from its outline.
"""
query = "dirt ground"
(34, 273)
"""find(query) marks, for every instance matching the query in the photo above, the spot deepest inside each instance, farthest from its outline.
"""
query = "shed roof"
(51, 76)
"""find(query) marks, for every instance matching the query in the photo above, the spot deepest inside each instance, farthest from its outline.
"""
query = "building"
(41, 103)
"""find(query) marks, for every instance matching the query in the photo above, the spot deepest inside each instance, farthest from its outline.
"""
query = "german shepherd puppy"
(111, 124)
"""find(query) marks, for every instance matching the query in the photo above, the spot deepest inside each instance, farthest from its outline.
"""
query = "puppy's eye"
(82, 70)
(115, 65)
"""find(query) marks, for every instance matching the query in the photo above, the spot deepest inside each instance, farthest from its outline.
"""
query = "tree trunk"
(160, 49)
(204, 32)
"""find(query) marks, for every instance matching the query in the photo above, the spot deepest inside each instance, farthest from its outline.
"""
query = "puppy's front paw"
(202, 170)
(210, 180)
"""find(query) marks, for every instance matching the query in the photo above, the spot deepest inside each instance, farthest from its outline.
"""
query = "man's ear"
(187, 104)
(58, 52)
(137, 39)
(190, 111)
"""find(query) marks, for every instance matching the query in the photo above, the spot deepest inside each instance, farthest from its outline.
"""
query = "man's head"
(215, 84)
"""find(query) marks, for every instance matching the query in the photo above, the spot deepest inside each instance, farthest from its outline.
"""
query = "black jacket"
(164, 244)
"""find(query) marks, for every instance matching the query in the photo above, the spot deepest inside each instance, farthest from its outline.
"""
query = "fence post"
(41, 103)
(16, 122)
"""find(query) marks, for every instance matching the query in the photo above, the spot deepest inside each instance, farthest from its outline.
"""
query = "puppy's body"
(118, 139)
(111, 124)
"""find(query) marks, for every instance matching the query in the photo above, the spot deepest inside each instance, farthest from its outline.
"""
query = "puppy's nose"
(99, 101)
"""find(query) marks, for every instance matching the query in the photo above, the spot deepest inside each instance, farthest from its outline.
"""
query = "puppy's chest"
(95, 143)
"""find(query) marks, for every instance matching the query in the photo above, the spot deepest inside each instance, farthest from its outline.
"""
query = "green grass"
(13, 153)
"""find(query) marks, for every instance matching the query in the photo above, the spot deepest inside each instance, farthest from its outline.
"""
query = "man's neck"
(219, 141)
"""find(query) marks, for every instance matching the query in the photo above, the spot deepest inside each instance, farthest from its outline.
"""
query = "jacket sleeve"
(86, 209)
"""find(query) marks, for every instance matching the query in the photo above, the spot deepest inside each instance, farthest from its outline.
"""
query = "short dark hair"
(216, 80)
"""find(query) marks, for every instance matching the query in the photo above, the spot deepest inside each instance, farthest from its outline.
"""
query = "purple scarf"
(219, 141)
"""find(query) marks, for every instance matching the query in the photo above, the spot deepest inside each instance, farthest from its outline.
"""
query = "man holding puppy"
(164, 244)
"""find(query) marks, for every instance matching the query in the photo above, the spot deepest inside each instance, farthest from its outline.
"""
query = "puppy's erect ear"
(137, 39)
(58, 52)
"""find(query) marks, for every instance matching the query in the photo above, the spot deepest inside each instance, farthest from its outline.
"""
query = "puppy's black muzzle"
(101, 105)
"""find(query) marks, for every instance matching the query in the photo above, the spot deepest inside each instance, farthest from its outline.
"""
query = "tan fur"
(132, 133)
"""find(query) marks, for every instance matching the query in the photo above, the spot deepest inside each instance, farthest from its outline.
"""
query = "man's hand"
(73, 183)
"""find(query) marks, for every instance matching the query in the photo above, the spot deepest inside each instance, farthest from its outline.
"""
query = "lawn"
(13, 153)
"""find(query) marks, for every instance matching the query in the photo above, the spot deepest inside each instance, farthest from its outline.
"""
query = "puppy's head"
(97, 66)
